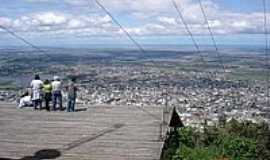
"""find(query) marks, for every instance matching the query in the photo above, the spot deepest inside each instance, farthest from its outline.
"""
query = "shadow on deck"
(91, 133)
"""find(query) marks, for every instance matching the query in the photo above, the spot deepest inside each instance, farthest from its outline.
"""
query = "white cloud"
(74, 23)
(167, 20)
(4, 21)
(54, 21)
(106, 19)
(215, 23)
(50, 19)
(151, 17)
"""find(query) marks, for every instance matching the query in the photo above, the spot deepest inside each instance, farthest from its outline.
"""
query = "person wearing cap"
(36, 86)
(57, 92)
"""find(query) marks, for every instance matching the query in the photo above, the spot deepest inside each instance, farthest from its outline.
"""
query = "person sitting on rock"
(25, 100)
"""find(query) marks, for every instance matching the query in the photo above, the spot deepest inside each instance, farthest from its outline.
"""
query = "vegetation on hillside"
(233, 141)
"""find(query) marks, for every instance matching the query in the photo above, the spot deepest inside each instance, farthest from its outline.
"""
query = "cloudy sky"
(83, 22)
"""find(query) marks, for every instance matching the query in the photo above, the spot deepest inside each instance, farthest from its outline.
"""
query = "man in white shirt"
(36, 86)
(57, 92)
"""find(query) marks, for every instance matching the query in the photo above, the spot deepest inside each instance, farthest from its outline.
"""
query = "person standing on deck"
(72, 94)
(36, 86)
(57, 92)
(47, 89)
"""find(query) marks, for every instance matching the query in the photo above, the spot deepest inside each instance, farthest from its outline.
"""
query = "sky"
(82, 22)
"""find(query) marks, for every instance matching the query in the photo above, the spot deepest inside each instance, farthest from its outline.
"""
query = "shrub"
(233, 141)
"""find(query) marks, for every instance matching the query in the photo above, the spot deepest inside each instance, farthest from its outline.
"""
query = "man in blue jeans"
(72, 94)
(57, 92)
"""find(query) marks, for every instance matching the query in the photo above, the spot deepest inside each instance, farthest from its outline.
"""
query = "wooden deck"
(93, 133)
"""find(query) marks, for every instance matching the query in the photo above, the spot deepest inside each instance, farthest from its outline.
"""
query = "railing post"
(161, 137)
(166, 100)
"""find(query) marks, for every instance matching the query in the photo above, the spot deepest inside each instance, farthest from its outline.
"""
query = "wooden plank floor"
(95, 133)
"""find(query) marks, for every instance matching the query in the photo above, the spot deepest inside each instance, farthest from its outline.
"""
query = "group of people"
(49, 91)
